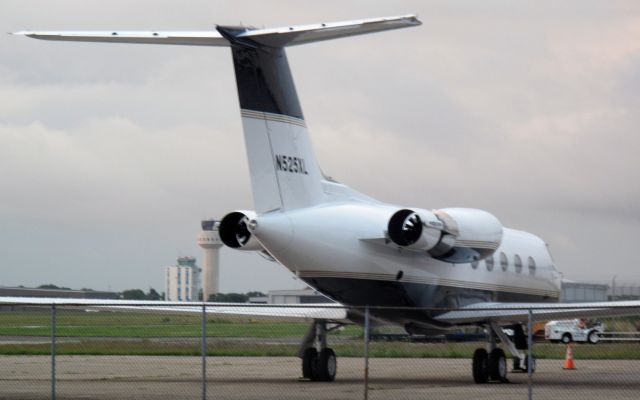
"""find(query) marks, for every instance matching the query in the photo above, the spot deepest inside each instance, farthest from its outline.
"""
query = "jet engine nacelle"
(456, 235)
(234, 231)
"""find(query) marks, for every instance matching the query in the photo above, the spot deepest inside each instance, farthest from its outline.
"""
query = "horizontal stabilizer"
(276, 37)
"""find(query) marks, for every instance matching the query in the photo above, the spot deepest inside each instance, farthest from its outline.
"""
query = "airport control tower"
(209, 240)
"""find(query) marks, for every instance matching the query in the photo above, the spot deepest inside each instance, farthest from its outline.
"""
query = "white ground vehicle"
(570, 330)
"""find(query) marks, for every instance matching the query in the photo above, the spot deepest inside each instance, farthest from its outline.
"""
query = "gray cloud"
(111, 154)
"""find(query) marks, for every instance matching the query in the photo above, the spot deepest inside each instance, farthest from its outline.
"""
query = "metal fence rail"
(101, 352)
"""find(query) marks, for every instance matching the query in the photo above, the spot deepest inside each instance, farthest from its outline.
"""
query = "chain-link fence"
(73, 352)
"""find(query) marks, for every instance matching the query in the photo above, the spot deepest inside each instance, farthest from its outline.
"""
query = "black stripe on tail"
(262, 75)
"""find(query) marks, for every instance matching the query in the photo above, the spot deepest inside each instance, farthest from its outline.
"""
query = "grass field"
(142, 325)
(354, 348)
(115, 333)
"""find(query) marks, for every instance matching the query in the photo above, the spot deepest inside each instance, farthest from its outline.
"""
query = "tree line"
(152, 294)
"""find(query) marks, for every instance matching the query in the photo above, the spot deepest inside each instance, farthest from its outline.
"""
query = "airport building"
(581, 292)
(182, 281)
(296, 296)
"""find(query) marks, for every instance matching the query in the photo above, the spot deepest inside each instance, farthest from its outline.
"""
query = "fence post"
(204, 352)
(53, 352)
(366, 353)
(530, 350)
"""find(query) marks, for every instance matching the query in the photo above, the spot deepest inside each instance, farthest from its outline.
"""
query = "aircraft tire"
(326, 366)
(497, 365)
(309, 359)
(479, 367)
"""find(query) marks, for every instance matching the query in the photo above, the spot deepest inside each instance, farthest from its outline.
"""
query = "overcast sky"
(111, 154)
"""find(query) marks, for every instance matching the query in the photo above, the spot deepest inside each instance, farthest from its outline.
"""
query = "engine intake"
(234, 231)
(456, 235)
(418, 230)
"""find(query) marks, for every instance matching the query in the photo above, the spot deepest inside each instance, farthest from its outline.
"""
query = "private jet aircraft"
(443, 268)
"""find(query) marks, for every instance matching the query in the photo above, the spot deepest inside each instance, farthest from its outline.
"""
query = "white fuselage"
(339, 248)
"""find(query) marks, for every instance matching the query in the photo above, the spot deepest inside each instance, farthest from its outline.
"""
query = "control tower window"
(208, 224)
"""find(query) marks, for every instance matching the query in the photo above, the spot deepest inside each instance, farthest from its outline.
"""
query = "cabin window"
(518, 263)
(504, 261)
(474, 264)
(532, 265)
(489, 263)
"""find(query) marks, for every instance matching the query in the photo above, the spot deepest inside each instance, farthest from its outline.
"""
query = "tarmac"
(267, 378)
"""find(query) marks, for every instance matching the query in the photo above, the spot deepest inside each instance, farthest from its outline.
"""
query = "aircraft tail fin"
(282, 164)
(284, 171)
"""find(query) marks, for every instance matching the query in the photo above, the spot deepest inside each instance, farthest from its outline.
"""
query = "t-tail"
(284, 171)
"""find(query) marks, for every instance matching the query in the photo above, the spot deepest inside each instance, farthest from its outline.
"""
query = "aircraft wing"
(519, 312)
(331, 311)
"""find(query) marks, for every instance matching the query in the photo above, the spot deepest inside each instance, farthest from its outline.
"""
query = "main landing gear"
(319, 363)
(491, 364)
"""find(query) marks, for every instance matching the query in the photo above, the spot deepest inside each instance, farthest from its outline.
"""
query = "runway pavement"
(266, 378)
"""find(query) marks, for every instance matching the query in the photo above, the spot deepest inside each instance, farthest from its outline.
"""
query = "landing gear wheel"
(497, 366)
(566, 338)
(593, 337)
(525, 366)
(309, 360)
(479, 368)
(326, 366)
